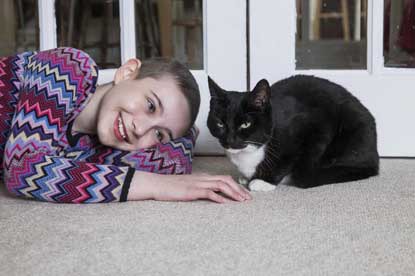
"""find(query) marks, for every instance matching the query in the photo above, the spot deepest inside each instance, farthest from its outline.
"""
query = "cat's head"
(240, 119)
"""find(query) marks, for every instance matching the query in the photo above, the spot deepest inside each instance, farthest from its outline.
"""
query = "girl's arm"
(217, 188)
(46, 177)
(38, 175)
(174, 157)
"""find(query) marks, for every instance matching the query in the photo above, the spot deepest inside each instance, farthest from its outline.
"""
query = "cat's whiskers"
(268, 163)
(269, 150)
(273, 152)
(271, 137)
(253, 142)
(274, 155)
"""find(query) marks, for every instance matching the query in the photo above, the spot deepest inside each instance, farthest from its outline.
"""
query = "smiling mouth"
(120, 130)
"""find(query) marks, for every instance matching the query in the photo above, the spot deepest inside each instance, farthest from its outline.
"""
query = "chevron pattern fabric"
(170, 158)
(11, 69)
(41, 95)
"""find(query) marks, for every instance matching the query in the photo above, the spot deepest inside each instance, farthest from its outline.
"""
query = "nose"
(234, 142)
(230, 140)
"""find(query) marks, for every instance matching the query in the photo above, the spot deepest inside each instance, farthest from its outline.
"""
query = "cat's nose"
(230, 141)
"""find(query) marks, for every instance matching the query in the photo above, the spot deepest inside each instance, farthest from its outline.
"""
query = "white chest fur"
(246, 159)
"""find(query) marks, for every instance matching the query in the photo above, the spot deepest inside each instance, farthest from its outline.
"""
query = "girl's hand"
(217, 188)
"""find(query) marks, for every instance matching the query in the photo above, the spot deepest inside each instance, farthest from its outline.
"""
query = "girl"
(65, 139)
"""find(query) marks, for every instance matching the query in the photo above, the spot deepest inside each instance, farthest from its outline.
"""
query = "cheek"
(106, 121)
(146, 141)
(217, 132)
(134, 105)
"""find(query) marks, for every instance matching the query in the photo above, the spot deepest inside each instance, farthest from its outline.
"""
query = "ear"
(214, 89)
(128, 70)
(261, 94)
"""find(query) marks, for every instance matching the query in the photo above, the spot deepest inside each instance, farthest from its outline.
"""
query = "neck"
(86, 121)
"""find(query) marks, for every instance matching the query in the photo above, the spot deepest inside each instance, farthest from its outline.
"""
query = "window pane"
(399, 33)
(331, 34)
(19, 26)
(170, 28)
(93, 26)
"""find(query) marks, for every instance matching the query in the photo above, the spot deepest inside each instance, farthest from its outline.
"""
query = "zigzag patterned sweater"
(41, 94)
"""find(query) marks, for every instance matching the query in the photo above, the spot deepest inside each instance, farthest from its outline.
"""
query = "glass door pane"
(93, 26)
(331, 34)
(399, 33)
(20, 26)
(170, 28)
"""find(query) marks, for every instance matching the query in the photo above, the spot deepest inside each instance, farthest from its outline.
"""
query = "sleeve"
(34, 163)
(44, 177)
(174, 157)
(11, 72)
(11, 69)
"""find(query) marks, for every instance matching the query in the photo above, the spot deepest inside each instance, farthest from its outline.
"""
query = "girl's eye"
(159, 135)
(151, 106)
(245, 125)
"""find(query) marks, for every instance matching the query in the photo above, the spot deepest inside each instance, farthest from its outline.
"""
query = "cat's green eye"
(245, 125)
(219, 124)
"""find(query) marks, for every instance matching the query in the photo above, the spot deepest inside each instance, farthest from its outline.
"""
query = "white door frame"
(224, 51)
(387, 92)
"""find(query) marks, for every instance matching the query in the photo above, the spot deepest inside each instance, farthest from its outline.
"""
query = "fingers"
(204, 193)
(242, 191)
(209, 194)
(218, 188)
(226, 189)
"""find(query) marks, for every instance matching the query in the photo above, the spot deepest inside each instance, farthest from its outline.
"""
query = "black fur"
(314, 130)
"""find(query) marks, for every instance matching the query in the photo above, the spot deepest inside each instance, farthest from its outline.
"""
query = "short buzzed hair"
(157, 68)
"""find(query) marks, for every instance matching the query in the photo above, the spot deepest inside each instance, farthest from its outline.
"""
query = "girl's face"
(137, 114)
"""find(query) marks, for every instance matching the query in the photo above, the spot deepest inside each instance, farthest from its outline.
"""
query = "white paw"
(243, 181)
(261, 185)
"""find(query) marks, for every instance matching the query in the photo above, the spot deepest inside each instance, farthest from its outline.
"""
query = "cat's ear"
(214, 89)
(261, 94)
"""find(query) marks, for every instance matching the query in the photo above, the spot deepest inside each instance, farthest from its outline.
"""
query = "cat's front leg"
(269, 177)
(261, 181)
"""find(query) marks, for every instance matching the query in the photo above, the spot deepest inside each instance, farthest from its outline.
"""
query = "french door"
(367, 46)
(364, 45)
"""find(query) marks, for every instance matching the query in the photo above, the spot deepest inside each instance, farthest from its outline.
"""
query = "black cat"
(305, 127)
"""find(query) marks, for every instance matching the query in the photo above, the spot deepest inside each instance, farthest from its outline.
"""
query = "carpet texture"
(357, 228)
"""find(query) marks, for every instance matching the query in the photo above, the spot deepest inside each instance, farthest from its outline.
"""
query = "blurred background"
(332, 34)
(170, 28)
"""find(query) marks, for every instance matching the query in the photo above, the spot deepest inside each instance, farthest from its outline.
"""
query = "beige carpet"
(356, 228)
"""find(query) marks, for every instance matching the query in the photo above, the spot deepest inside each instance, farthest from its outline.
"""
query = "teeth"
(121, 129)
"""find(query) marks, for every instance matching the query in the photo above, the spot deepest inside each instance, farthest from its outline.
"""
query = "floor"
(358, 228)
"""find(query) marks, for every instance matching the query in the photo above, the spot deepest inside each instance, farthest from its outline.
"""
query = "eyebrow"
(162, 110)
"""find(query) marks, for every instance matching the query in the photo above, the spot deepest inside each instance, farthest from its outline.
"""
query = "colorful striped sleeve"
(44, 177)
(174, 157)
(11, 69)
